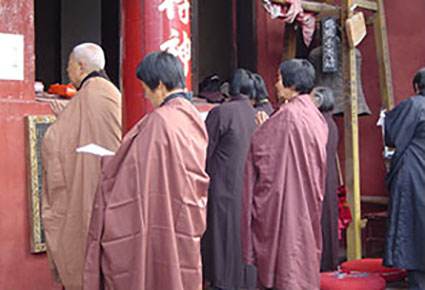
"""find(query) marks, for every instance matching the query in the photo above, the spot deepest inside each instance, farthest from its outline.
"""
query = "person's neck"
(169, 93)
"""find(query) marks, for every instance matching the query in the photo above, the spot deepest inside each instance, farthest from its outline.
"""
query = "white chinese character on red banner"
(183, 7)
(180, 49)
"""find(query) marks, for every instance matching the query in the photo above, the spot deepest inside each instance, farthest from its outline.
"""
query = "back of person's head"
(324, 99)
(161, 66)
(211, 83)
(260, 88)
(90, 55)
(419, 81)
(242, 83)
(298, 74)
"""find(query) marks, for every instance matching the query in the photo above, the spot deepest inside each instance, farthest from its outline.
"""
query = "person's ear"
(81, 67)
(416, 88)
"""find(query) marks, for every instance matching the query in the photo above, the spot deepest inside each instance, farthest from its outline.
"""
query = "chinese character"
(181, 50)
(183, 9)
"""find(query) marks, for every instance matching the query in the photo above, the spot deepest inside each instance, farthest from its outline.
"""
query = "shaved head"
(90, 55)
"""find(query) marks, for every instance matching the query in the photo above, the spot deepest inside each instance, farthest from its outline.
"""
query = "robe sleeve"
(250, 178)
(214, 131)
(92, 269)
(400, 125)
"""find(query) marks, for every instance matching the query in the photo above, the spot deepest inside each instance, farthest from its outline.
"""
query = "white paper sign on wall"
(11, 56)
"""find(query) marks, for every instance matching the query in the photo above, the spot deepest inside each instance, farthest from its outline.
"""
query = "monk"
(405, 238)
(150, 208)
(323, 98)
(70, 179)
(230, 127)
(284, 186)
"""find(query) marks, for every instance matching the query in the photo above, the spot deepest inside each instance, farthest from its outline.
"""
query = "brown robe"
(150, 208)
(230, 127)
(283, 194)
(329, 219)
(70, 178)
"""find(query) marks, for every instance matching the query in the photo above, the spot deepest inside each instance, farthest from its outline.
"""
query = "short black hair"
(260, 88)
(242, 82)
(419, 81)
(298, 74)
(161, 66)
(324, 99)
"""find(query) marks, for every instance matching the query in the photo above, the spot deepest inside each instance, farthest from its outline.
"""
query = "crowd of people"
(246, 199)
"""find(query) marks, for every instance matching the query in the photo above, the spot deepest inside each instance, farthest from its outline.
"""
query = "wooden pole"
(289, 42)
(382, 52)
(352, 169)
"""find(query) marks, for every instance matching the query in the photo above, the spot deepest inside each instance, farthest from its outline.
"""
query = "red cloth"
(344, 216)
(150, 207)
(291, 13)
(351, 281)
(283, 196)
(375, 266)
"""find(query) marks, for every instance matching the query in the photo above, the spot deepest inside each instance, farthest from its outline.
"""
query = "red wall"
(19, 269)
(406, 36)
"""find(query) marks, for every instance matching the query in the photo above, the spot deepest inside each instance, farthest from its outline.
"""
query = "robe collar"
(93, 74)
(184, 95)
(240, 97)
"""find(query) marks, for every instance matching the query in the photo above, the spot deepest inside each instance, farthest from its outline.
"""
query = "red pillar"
(146, 26)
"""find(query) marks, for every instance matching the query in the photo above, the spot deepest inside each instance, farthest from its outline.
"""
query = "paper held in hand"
(95, 150)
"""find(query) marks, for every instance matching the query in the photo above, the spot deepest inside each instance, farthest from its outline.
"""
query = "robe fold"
(283, 194)
(70, 178)
(264, 106)
(230, 127)
(150, 207)
(405, 238)
(329, 219)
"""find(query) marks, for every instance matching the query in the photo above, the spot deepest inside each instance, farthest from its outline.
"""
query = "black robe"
(329, 219)
(264, 106)
(230, 127)
(405, 131)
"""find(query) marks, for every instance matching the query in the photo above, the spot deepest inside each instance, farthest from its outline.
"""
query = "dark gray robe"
(230, 127)
(264, 106)
(405, 131)
(329, 219)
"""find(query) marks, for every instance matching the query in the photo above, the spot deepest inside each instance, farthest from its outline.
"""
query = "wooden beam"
(311, 6)
(381, 200)
(369, 5)
(352, 167)
(382, 51)
(289, 42)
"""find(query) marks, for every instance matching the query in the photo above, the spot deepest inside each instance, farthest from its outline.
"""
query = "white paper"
(11, 56)
(95, 150)
(204, 115)
(381, 119)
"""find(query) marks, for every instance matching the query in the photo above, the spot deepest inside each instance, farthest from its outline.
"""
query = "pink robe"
(150, 207)
(283, 195)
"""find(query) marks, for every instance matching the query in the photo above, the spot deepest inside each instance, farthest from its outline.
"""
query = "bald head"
(84, 59)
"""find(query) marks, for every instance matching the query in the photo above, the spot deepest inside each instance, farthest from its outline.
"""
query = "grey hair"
(323, 98)
(90, 55)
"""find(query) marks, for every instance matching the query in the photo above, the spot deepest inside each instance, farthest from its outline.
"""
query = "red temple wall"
(19, 269)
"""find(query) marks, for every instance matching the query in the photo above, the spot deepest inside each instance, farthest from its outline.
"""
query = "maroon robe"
(150, 207)
(283, 194)
(329, 219)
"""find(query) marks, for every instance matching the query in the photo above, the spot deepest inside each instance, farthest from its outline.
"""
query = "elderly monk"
(70, 178)
(284, 186)
(150, 208)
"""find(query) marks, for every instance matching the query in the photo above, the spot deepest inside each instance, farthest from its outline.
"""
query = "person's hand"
(261, 117)
(58, 106)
